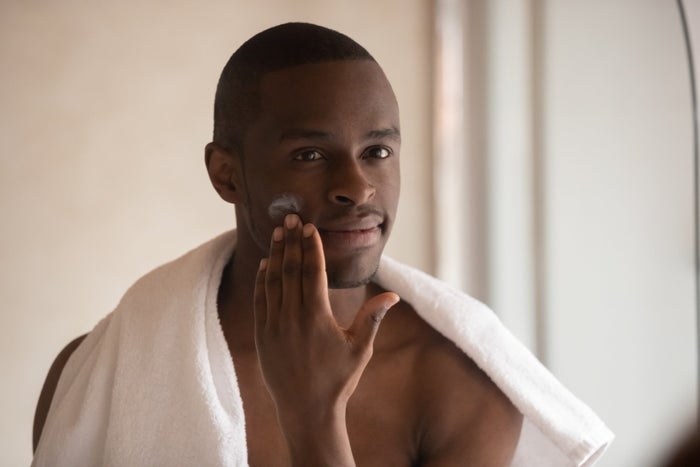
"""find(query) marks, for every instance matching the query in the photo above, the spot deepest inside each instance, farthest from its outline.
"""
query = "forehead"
(330, 96)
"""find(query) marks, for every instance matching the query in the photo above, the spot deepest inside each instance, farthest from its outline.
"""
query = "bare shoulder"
(47, 391)
(467, 420)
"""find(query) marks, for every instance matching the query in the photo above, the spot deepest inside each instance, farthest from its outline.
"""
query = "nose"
(350, 186)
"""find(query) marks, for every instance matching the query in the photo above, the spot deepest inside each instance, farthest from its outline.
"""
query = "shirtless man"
(306, 113)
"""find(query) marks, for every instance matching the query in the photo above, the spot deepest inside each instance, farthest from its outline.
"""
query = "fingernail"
(290, 221)
(277, 234)
(307, 230)
(263, 264)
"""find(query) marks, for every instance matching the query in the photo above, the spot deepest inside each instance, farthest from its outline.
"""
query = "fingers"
(260, 299)
(273, 274)
(283, 277)
(366, 324)
(296, 285)
(291, 265)
(314, 283)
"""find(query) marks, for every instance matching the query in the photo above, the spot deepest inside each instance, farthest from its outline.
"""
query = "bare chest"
(382, 424)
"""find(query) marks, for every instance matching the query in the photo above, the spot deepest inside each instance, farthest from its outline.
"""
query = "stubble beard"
(335, 283)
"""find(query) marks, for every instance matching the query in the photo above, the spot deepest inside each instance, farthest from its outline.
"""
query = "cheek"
(283, 204)
(390, 183)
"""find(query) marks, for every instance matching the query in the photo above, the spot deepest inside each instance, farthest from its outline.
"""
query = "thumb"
(366, 323)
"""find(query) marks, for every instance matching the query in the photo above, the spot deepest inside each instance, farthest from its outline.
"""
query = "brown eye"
(378, 152)
(308, 156)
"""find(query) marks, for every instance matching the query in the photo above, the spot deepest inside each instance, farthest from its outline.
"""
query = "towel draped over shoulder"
(154, 384)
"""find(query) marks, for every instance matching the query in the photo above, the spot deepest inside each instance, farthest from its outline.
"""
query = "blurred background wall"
(566, 148)
(618, 206)
(575, 222)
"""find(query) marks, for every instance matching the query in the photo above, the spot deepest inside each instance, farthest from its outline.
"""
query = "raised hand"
(311, 365)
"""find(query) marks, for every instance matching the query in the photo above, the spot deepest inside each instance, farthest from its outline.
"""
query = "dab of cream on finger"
(284, 204)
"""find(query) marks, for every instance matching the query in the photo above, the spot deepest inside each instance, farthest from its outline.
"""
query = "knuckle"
(375, 318)
(362, 352)
(308, 271)
(290, 268)
(273, 278)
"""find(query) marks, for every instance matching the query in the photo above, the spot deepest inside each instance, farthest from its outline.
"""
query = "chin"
(348, 283)
(351, 273)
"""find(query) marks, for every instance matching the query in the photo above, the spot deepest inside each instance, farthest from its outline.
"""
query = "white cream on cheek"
(282, 205)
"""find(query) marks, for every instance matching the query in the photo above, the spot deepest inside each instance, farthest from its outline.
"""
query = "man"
(306, 146)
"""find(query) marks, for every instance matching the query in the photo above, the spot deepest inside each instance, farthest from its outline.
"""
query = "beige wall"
(106, 107)
(619, 267)
(581, 115)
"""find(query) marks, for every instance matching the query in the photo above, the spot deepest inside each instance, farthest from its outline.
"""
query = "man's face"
(328, 136)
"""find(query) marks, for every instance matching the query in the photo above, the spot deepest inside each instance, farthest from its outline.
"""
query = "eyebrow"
(391, 132)
(299, 133)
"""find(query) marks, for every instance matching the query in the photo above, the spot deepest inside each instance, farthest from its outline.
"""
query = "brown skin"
(47, 391)
(322, 383)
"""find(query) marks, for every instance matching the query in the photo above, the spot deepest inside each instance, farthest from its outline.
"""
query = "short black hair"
(273, 49)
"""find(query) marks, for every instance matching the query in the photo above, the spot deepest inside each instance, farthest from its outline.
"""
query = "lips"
(350, 239)
(360, 233)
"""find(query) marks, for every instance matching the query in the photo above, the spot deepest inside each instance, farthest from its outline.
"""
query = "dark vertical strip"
(539, 174)
(476, 47)
(434, 48)
(696, 167)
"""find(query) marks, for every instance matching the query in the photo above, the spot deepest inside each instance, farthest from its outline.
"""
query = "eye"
(308, 156)
(378, 152)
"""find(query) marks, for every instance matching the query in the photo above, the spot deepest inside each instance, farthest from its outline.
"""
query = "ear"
(224, 168)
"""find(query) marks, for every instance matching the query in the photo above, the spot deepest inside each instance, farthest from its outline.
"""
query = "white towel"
(154, 385)
(557, 425)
